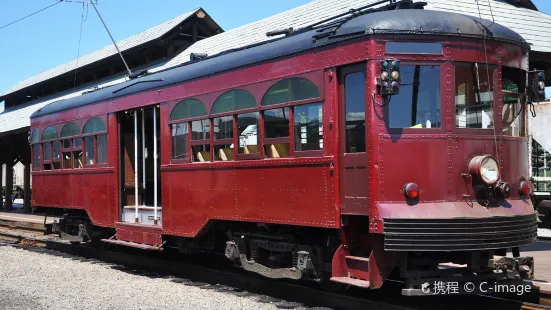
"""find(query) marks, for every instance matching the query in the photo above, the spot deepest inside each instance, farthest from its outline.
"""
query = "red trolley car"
(383, 142)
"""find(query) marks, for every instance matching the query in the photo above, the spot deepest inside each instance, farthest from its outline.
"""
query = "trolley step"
(351, 281)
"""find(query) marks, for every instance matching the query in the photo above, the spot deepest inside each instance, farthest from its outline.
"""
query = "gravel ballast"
(35, 280)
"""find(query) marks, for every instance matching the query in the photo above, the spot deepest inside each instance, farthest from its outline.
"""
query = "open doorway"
(140, 166)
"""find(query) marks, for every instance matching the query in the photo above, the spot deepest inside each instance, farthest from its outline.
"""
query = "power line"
(22, 18)
(79, 40)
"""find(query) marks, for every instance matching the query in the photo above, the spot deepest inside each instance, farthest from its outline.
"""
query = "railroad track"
(217, 274)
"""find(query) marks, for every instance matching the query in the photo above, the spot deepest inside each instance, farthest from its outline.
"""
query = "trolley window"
(35, 149)
(95, 142)
(418, 103)
(224, 137)
(288, 90)
(188, 108)
(70, 129)
(473, 97)
(50, 148)
(233, 100)
(513, 101)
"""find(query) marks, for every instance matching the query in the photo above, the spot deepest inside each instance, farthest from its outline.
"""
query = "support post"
(27, 208)
(155, 165)
(143, 150)
(9, 186)
(136, 164)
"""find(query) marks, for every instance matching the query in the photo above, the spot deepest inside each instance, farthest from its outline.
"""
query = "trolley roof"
(359, 23)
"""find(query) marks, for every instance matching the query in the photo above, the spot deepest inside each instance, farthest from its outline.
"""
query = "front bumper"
(459, 234)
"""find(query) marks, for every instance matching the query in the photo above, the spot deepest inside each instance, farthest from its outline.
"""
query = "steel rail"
(225, 278)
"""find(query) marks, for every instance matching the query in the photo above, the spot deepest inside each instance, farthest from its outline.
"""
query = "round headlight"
(541, 85)
(384, 75)
(485, 168)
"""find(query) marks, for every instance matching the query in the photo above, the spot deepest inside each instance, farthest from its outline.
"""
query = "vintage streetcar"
(384, 143)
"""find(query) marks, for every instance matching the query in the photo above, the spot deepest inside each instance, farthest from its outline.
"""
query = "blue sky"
(50, 38)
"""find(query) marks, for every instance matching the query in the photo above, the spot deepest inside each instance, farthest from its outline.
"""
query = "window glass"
(70, 129)
(233, 100)
(200, 130)
(414, 48)
(34, 136)
(201, 153)
(308, 127)
(89, 149)
(513, 101)
(67, 162)
(292, 89)
(473, 102)
(47, 151)
(223, 152)
(77, 142)
(513, 117)
(49, 133)
(77, 159)
(179, 141)
(93, 125)
(276, 123)
(36, 156)
(247, 126)
(67, 143)
(56, 150)
(354, 94)
(102, 149)
(418, 103)
(188, 108)
(223, 127)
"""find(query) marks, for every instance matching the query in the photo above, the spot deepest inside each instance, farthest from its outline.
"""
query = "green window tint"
(70, 129)
(34, 136)
(49, 133)
(233, 100)
(188, 108)
(93, 125)
(288, 90)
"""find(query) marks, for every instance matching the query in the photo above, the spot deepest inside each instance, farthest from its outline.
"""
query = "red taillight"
(411, 190)
(525, 188)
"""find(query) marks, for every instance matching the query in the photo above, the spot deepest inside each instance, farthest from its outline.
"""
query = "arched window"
(93, 125)
(71, 146)
(247, 126)
(200, 130)
(188, 108)
(50, 149)
(70, 129)
(95, 142)
(49, 133)
(233, 100)
(34, 136)
(308, 118)
(288, 90)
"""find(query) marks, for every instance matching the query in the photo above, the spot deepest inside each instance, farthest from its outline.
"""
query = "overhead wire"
(492, 100)
(27, 16)
(82, 19)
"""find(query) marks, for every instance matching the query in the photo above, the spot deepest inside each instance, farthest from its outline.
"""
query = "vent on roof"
(197, 56)
(286, 32)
